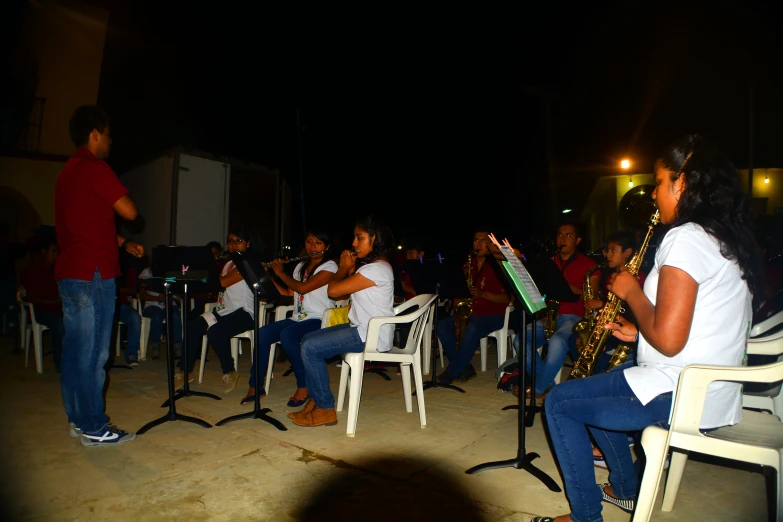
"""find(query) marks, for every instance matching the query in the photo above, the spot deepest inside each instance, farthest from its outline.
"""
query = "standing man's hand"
(134, 248)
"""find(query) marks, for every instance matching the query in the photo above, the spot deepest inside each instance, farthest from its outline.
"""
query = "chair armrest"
(769, 345)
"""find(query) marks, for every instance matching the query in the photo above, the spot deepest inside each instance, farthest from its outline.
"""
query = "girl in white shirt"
(365, 274)
(308, 286)
(234, 314)
(695, 308)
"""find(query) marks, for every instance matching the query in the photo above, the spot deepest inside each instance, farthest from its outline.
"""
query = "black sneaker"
(109, 435)
(132, 361)
(468, 374)
(446, 377)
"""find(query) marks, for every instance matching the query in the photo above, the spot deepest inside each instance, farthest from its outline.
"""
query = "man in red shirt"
(41, 290)
(488, 312)
(86, 197)
(573, 265)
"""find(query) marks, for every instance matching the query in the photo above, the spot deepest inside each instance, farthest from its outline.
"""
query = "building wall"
(27, 193)
(66, 38)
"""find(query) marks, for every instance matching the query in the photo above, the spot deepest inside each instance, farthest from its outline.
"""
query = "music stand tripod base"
(172, 414)
(258, 412)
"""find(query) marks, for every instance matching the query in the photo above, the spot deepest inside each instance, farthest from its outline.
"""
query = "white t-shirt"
(146, 274)
(312, 304)
(235, 296)
(719, 332)
(375, 301)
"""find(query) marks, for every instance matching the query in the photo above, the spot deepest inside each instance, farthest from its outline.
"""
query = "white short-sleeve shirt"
(146, 274)
(312, 304)
(375, 301)
(236, 296)
(719, 331)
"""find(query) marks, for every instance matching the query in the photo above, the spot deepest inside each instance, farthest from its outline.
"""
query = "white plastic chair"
(426, 345)
(35, 329)
(281, 313)
(757, 438)
(408, 356)
(144, 334)
(770, 399)
(501, 337)
(236, 348)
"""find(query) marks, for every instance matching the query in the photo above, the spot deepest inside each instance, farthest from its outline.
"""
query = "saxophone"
(550, 318)
(596, 343)
(585, 326)
(464, 307)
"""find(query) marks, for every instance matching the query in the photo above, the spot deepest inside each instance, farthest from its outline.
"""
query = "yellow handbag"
(338, 315)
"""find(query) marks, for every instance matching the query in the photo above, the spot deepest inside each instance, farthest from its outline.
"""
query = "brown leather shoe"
(317, 417)
(307, 409)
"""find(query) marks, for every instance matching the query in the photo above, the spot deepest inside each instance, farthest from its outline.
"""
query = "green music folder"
(525, 287)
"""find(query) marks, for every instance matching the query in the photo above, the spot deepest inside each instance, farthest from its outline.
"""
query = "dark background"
(435, 118)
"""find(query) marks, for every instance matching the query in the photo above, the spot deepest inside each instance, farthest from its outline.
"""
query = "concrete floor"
(249, 470)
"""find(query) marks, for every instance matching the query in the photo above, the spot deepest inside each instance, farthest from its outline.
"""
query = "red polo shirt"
(84, 218)
(489, 280)
(573, 270)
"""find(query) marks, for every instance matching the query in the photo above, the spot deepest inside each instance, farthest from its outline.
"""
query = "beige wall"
(27, 193)
(67, 39)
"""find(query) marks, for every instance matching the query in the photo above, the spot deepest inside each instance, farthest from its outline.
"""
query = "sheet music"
(527, 289)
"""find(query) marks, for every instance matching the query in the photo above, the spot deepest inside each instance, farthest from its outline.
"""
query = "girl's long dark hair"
(713, 198)
(322, 235)
(384, 238)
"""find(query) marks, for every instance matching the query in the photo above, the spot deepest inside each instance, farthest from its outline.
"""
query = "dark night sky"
(399, 106)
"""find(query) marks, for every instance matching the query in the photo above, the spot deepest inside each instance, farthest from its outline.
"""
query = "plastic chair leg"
(483, 343)
(27, 348)
(343, 386)
(38, 340)
(502, 343)
(654, 443)
(203, 360)
(419, 382)
(269, 366)
(355, 394)
(236, 349)
(145, 337)
(676, 468)
(118, 340)
(405, 372)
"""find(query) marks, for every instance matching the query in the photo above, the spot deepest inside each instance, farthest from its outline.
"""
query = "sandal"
(626, 505)
(251, 397)
(542, 519)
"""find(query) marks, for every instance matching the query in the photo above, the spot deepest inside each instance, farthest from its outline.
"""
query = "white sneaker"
(74, 431)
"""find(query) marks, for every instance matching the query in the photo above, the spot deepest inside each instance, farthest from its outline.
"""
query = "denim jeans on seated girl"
(603, 405)
(321, 345)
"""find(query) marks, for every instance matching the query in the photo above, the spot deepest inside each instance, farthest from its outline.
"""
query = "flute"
(294, 260)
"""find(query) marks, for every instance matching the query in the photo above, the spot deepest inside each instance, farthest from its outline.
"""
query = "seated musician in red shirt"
(41, 290)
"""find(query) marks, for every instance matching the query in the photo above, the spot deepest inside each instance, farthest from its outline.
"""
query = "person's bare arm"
(667, 324)
(125, 208)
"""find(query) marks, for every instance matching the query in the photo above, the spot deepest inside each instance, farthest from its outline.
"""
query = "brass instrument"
(550, 318)
(585, 326)
(596, 343)
(464, 307)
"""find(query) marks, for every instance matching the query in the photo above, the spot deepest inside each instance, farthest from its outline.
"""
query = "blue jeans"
(157, 315)
(132, 320)
(88, 315)
(546, 370)
(604, 405)
(477, 327)
(319, 346)
(289, 333)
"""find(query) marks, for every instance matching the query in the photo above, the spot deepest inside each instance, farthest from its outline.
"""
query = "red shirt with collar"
(573, 270)
(84, 218)
(38, 281)
(489, 280)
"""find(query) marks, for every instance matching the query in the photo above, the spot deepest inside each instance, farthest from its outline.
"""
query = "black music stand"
(434, 276)
(259, 280)
(548, 277)
(523, 460)
(172, 414)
